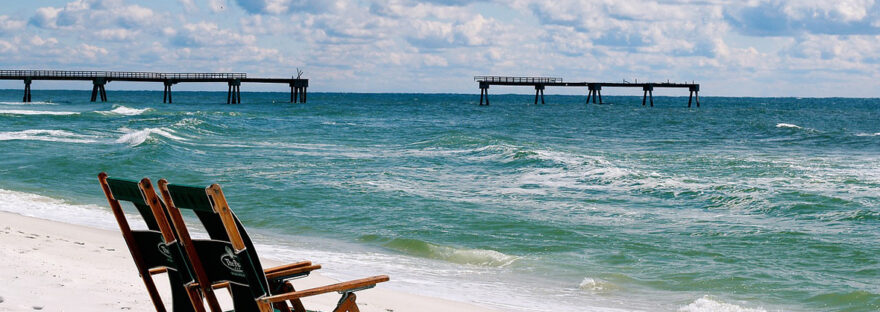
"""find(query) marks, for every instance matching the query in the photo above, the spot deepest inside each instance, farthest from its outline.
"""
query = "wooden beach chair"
(152, 252)
(213, 225)
(234, 261)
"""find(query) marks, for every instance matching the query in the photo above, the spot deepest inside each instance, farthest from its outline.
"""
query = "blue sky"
(737, 48)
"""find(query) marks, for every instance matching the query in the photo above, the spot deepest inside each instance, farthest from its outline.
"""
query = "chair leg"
(195, 297)
(347, 303)
(296, 303)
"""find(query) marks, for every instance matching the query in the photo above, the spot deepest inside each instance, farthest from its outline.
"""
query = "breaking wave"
(46, 135)
(34, 112)
(27, 103)
(125, 111)
(788, 125)
(138, 137)
(481, 257)
(708, 304)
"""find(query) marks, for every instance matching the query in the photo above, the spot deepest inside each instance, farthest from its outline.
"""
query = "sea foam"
(27, 103)
(787, 125)
(708, 304)
(34, 112)
(46, 135)
(595, 285)
(481, 257)
(138, 137)
(39, 206)
(125, 111)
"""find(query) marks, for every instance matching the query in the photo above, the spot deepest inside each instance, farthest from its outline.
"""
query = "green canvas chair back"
(150, 251)
(220, 260)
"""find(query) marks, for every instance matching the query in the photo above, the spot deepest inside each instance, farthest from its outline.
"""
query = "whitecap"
(27, 103)
(138, 137)
(708, 304)
(868, 134)
(787, 125)
(125, 111)
(34, 112)
(46, 135)
(595, 285)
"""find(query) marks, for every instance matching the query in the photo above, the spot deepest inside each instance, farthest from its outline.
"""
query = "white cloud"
(39, 42)
(207, 34)
(89, 51)
(217, 6)
(439, 43)
(8, 24)
(189, 5)
(117, 34)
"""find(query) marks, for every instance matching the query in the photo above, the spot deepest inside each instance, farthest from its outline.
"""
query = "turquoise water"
(746, 203)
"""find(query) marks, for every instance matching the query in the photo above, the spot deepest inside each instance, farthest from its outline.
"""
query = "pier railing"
(517, 79)
(100, 79)
(118, 75)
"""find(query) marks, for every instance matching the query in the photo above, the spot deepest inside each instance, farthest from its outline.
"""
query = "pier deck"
(595, 88)
(101, 78)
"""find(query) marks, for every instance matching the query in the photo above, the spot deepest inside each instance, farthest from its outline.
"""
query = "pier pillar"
(539, 90)
(690, 98)
(233, 95)
(649, 93)
(166, 96)
(484, 92)
(595, 93)
(298, 90)
(27, 91)
(696, 91)
(98, 89)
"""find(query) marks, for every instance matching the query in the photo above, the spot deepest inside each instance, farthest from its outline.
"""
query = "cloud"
(8, 25)
(207, 34)
(86, 14)
(45, 17)
(285, 6)
(189, 5)
(39, 42)
(789, 18)
(410, 45)
(116, 34)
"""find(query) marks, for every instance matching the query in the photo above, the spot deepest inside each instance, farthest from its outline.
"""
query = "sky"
(800, 48)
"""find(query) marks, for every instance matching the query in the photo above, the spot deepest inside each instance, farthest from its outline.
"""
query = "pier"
(594, 88)
(99, 79)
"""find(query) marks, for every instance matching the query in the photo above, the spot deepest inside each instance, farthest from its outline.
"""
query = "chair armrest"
(288, 266)
(292, 272)
(158, 270)
(338, 287)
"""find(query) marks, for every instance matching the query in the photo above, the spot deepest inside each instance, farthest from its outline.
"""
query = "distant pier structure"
(594, 88)
(99, 79)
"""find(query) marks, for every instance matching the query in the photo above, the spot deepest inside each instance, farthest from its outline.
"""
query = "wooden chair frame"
(267, 302)
(145, 273)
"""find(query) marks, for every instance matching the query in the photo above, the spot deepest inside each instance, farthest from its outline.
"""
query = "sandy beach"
(54, 266)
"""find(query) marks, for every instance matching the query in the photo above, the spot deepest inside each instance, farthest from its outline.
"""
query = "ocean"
(745, 204)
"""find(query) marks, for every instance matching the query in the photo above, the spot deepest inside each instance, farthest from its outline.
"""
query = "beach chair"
(152, 252)
(234, 261)
(279, 276)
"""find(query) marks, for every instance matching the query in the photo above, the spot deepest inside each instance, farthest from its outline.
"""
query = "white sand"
(53, 266)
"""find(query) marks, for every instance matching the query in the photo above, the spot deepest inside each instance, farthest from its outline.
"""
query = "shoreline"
(55, 266)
